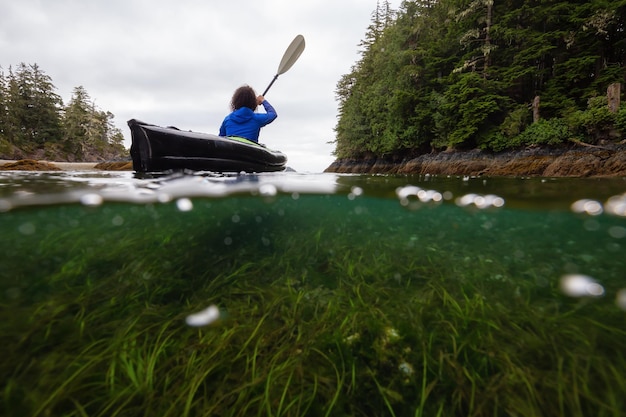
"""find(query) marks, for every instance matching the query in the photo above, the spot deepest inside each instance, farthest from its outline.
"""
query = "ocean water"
(311, 294)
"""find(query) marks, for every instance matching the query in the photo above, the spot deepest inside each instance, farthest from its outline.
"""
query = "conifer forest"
(34, 122)
(494, 75)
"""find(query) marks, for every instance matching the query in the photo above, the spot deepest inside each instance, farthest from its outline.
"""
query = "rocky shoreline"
(38, 165)
(575, 161)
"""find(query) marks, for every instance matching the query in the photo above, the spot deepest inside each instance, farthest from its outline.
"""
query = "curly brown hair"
(244, 96)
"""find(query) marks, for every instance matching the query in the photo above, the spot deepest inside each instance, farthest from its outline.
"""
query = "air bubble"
(203, 318)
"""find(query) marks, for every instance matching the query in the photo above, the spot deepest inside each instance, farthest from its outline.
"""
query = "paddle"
(292, 54)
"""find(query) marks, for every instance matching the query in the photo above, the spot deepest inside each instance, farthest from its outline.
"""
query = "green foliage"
(5, 147)
(88, 130)
(456, 74)
(620, 119)
(31, 108)
(466, 110)
(550, 132)
(34, 122)
(594, 123)
(496, 142)
(515, 122)
(544, 132)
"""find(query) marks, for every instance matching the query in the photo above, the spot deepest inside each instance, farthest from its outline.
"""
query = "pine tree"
(3, 111)
(76, 120)
(465, 73)
(33, 108)
(359, 93)
(34, 123)
(89, 132)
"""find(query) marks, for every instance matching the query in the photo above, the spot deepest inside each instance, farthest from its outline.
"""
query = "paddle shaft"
(290, 57)
(272, 83)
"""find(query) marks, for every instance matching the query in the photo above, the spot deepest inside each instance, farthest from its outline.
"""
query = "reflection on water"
(289, 294)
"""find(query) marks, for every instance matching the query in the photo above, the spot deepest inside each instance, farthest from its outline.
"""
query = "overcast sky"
(178, 62)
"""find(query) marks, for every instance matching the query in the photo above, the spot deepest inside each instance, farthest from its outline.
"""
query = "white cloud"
(178, 62)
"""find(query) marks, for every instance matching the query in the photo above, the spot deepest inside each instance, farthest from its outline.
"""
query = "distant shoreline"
(41, 165)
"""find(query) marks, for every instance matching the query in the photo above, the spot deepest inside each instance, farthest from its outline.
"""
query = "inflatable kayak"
(156, 148)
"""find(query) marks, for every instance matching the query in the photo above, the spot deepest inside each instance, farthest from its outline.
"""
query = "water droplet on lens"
(578, 285)
(617, 232)
(620, 299)
(591, 225)
(13, 293)
(184, 204)
(591, 207)
(27, 229)
(91, 199)
(4, 205)
(164, 198)
(268, 190)
(616, 205)
(405, 192)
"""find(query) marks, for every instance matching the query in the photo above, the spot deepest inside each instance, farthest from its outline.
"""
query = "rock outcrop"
(578, 161)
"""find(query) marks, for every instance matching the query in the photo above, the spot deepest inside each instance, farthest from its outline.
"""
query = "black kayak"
(156, 149)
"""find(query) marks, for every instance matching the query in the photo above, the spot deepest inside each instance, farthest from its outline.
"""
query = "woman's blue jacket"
(245, 123)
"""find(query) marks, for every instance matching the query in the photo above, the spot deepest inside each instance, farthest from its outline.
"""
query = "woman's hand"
(259, 100)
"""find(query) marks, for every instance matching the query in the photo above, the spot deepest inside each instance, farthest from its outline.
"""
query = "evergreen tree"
(464, 73)
(33, 108)
(76, 123)
(34, 123)
(90, 132)
(3, 110)
(358, 97)
(476, 39)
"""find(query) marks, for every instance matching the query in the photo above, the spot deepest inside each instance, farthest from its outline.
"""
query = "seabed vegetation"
(327, 307)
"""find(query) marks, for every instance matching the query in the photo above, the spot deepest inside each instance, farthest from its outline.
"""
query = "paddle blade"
(292, 54)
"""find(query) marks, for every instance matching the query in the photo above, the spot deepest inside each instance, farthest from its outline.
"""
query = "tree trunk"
(489, 4)
(613, 96)
(535, 106)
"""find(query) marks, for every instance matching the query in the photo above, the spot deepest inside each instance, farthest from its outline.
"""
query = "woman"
(243, 121)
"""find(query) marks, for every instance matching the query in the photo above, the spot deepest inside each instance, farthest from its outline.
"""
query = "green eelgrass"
(316, 319)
